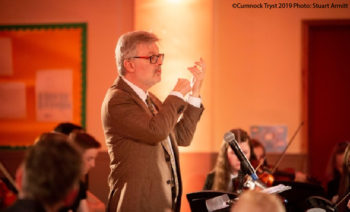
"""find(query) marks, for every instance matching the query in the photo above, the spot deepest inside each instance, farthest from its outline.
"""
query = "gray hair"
(127, 44)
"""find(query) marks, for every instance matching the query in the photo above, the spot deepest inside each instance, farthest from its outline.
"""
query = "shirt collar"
(233, 176)
(140, 93)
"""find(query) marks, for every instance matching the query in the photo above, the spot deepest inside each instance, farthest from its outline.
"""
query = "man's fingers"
(195, 71)
(183, 86)
(183, 81)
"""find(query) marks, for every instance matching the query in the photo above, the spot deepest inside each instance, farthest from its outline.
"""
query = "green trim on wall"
(83, 74)
(13, 147)
(83, 27)
(43, 26)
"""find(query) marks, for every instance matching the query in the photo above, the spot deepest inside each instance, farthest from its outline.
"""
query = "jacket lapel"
(119, 83)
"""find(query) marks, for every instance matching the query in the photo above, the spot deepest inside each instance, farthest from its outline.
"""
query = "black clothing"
(236, 185)
(208, 185)
(333, 187)
(25, 205)
(80, 196)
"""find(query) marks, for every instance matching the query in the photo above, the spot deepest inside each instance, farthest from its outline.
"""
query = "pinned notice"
(6, 57)
(54, 101)
(12, 100)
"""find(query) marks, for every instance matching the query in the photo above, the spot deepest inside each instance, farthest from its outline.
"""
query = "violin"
(8, 189)
(267, 178)
(268, 174)
(7, 196)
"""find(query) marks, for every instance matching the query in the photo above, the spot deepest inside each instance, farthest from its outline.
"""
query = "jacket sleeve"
(131, 120)
(185, 128)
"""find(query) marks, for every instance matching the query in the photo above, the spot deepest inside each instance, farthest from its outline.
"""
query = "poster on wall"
(53, 92)
(12, 93)
(42, 77)
(273, 137)
(5, 56)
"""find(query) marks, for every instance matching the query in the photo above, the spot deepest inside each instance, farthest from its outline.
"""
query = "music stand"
(320, 203)
(297, 196)
(197, 200)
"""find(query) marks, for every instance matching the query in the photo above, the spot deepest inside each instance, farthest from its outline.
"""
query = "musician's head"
(346, 161)
(259, 151)
(68, 127)
(227, 163)
(258, 202)
(335, 164)
(88, 146)
(344, 189)
(52, 169)
(231, 160)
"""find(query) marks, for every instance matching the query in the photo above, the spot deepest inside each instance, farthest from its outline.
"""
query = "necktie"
(151, 106)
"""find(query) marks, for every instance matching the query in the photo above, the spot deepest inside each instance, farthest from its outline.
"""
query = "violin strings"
(338, 203)
(260, 164)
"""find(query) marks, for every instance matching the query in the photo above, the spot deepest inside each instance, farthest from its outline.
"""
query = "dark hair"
(331, 170)
(83, 141)
(255, 144)
(51, 169)
(67, 127)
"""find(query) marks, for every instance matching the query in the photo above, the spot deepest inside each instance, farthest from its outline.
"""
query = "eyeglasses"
(153, 59)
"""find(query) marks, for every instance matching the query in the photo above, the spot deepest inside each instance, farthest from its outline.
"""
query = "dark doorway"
(326, 69)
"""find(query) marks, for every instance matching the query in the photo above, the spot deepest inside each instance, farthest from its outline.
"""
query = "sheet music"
(217, 203)
(276, 189)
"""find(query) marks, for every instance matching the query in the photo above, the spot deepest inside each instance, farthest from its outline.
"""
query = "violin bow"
(7, 175)
(342, 200)
(285, 150)
(261, 163)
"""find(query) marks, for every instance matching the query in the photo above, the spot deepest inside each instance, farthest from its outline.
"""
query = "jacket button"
(168, 181)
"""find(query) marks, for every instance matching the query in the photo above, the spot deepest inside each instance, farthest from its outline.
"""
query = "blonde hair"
(222, 170)
(258, 202)
(345, 179)
(222, 167)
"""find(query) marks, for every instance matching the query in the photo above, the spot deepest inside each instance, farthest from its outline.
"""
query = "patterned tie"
(151, 106)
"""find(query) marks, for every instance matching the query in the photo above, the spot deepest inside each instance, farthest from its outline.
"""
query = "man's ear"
(129, 66)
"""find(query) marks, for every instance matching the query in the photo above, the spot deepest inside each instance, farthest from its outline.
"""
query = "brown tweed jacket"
(141, 172)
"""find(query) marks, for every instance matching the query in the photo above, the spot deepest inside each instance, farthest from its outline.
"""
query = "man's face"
(145, 73)
(89, 157)
(232, 158)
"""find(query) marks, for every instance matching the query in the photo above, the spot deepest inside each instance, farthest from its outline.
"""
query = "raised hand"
(183, 86)
(198, 72)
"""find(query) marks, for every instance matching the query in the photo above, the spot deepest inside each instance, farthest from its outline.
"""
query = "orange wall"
(253, 55)
(186, 32)
(254, 72)
(257, 60)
